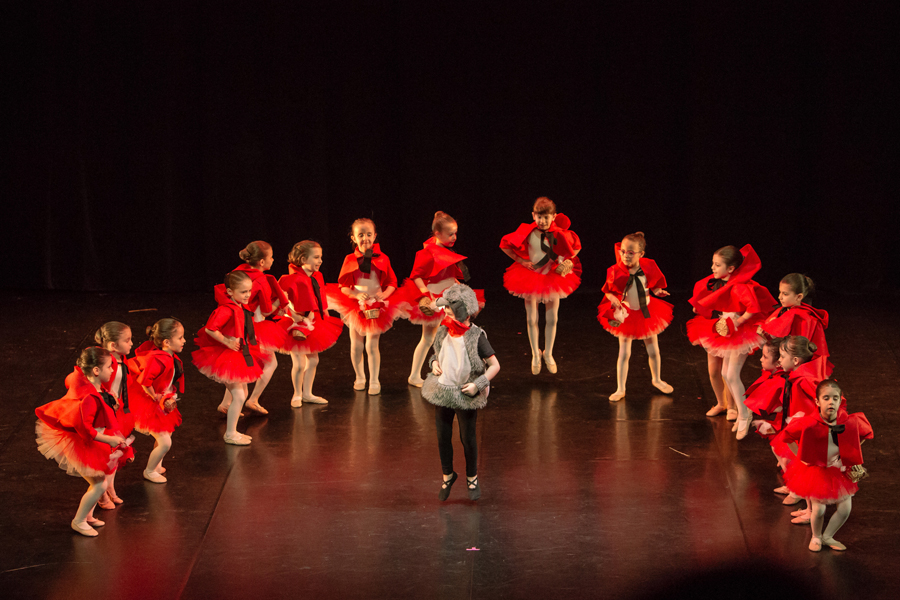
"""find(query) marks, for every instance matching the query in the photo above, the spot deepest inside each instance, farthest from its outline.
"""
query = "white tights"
(97, 487)
(303, 373)
(428, 333)
(163, 445)
(652, 345)
(817, 518)
(532, 319)
(359, 342)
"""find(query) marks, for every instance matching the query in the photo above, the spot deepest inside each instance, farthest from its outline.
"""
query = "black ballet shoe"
(474, 492)
(445, 487)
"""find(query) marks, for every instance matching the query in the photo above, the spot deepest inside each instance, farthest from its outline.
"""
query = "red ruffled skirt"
(409, 303)
(826, 485)
(224, 365)
(356, 319)
(324, 335)
(523, 282)
(74, 455)
(270, 336)
(126, 420)
(149, 417)
(636, 326)
(702, 332)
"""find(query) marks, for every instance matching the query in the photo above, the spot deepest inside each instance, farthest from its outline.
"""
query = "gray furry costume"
(462, 300)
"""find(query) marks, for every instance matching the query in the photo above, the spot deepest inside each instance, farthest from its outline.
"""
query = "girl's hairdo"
(163, 330)
(799, 346)
(300, 251)
(826, 383)
(441, 220)
(800, 284)
(360, 221)
(731, 256)
(234, 278)
(110, 333)
(255, 252)
(544, 206)
(638, 238)
(93, 356)
(774, 344)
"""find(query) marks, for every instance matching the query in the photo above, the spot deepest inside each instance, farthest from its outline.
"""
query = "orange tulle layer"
(270, 336)
(149, 417)
(701, 332)
(636, 326)
(826, 485)
(224, 365)
(74, 455)
(324, 335)
(523, 282)
(356, 319)
(409, 303)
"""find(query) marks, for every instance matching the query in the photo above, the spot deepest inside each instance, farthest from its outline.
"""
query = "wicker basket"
(857, 473)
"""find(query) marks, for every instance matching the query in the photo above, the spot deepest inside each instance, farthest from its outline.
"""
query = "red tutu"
(525, 283)
(74, 455)
(149, 417)
(826, 485)
(224, 365)
(269, 335)
(636, 326)
(324, 335)
(126, 420)
(356, 319)
(409, 303)
(702, 332)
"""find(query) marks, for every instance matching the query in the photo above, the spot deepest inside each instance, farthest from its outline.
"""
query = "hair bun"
(243, 254)
(98, 337)
(812, 347)
(149, 329)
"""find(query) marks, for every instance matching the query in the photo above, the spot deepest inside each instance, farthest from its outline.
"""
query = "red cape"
(812, 434)
(380, 262)
(567, 242)
(739, 294)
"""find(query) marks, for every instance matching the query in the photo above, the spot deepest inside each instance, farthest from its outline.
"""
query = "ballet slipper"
(801, 520)
(791, 500)
(315, 400)
(257, 408)
(296, 402)
(797, 513)
(743, 427)
(114, 498)
(95, 522)
(84, 529)
(834, 544)
(716, 411)
(154, 477)
(416, 382)
(734, 427)
(359, 385)
(161, 470)
(782, 490)
(617, 396)
(238, 439)
(731, 414)
(536, 364)
(374, 389)
(551, 364)
(105, 502)
(815, 544)
(662, 386)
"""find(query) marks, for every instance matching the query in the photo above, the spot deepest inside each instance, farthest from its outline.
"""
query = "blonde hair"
(300, 251)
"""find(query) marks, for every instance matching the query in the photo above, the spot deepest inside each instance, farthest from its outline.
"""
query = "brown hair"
(731, 256)
(110, 333)
(93, 356)
(233, 278)
(255, 252)
(360, 221)
(824, 384)
(774, 344)
(300, 251)
(800, 284)
(441, 220)
(544, 206)
(638, 238)
(163, 330)
(799, 346)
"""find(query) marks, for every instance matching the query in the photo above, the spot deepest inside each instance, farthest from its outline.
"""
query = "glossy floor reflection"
(581, 497)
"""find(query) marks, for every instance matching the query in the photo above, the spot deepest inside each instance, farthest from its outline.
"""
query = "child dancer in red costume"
(156, 377)
(830, 461)
(436, 268)
(764, 396)
(546, 269)
(362, 297)
(309, 326)
(81, 433)
(796, 317)
(227, 350)
(115, 338)
(729, 305)
(629, 312)
(266, 298)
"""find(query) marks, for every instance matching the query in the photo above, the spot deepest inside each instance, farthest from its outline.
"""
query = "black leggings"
(443, 419)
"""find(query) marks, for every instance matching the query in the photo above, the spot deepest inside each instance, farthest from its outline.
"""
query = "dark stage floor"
(581, 497)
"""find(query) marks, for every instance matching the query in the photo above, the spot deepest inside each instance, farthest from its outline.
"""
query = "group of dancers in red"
(794, 404)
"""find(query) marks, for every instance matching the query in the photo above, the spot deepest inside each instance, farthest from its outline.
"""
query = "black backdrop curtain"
(148, 142)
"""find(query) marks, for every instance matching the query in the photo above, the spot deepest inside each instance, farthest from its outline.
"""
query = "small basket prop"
(857, 473)
(564, 267)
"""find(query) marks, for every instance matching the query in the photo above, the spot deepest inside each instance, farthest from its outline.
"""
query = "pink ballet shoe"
(791, 500)
(782, 490)
(296, 402)
(834, 544)
(95, 522)
(315, 400)
(374, 389)
(154, 477)
(536, 365)
(743, 428)
(618, 395)
(416, 382)
(716, 410)
(731, 414)
(237, 439)
(662, 386)
(815, 544)
(801, 520)
(84, 529)
(551, 364)
(114, 498)
(161, 470)
(105, 502)
(256, 408)
(359, 385)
